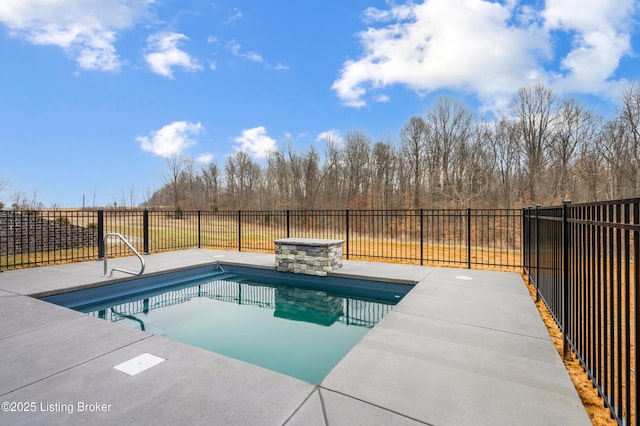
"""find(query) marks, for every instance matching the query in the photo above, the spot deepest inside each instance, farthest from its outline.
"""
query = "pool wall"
(146, 283)
(387, 291)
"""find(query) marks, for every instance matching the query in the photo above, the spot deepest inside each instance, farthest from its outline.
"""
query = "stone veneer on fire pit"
(308, 255)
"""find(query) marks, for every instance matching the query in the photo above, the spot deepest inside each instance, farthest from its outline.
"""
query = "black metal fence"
(582, 260)
(483, 238)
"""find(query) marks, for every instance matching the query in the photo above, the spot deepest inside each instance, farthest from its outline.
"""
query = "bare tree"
(329, 167)
(613, 149)
(148, 196)
(356, 163)
(296, 176)
(23, 202)
(504, 140)
(630, 120)
(472, 166)
(413, 148)
(591, 172)
(176, 164)
(211, 182)
(192, 183)
(242, 178)
(311, 175)
(279, 174)
(533, 107)
(132, 194)
(4, 183)
(384, 164)
(333, 190)
(573, 125)
(450, 124)
(18, 200)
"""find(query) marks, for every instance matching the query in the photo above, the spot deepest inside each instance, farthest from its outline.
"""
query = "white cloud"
(330, 136)
(487, 48)
(464, 45)
(85, 29)
(256, 142)
(382, 98)
(280, 67)
(234, 47)
(601, 36)
(237, 14)
(165, 54)
(205, 158)
(172, 139)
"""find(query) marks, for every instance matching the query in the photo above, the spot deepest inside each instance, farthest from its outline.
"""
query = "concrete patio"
(464, 347)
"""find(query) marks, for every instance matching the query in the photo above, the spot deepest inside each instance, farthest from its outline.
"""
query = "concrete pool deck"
(464, 347)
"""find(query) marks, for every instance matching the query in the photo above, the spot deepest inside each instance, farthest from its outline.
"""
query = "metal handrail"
(128, 244)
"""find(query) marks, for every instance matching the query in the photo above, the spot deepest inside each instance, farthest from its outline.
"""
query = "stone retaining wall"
(308, 256)
(20, 233)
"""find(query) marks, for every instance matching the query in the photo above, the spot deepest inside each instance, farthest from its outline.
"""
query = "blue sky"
(96, 94)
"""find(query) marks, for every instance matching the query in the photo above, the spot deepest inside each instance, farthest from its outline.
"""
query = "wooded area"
(545, 150)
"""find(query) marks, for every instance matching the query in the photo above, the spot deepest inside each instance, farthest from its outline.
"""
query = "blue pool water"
(297, 325)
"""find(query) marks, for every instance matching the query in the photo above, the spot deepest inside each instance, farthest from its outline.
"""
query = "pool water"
(301, 332)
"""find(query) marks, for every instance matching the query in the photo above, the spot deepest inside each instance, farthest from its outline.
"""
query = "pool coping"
(463, 347)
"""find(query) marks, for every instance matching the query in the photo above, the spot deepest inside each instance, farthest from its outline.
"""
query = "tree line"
(544, 150)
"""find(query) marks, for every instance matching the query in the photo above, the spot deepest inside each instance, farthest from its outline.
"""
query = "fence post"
(537, 253)
(565, 278)
(288, 223)
(526, 239)
(100, 234)
(421, 237)
(636, 319)
(239, 232)
(145, 230)
(636, 301)
(468, 238)
(346, 215)
(199, 228)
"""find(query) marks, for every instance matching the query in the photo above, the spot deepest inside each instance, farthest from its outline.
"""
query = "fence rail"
(483, 238)
(582, 260)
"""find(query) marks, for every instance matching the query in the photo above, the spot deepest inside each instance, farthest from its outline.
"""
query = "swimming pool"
(298, 325)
